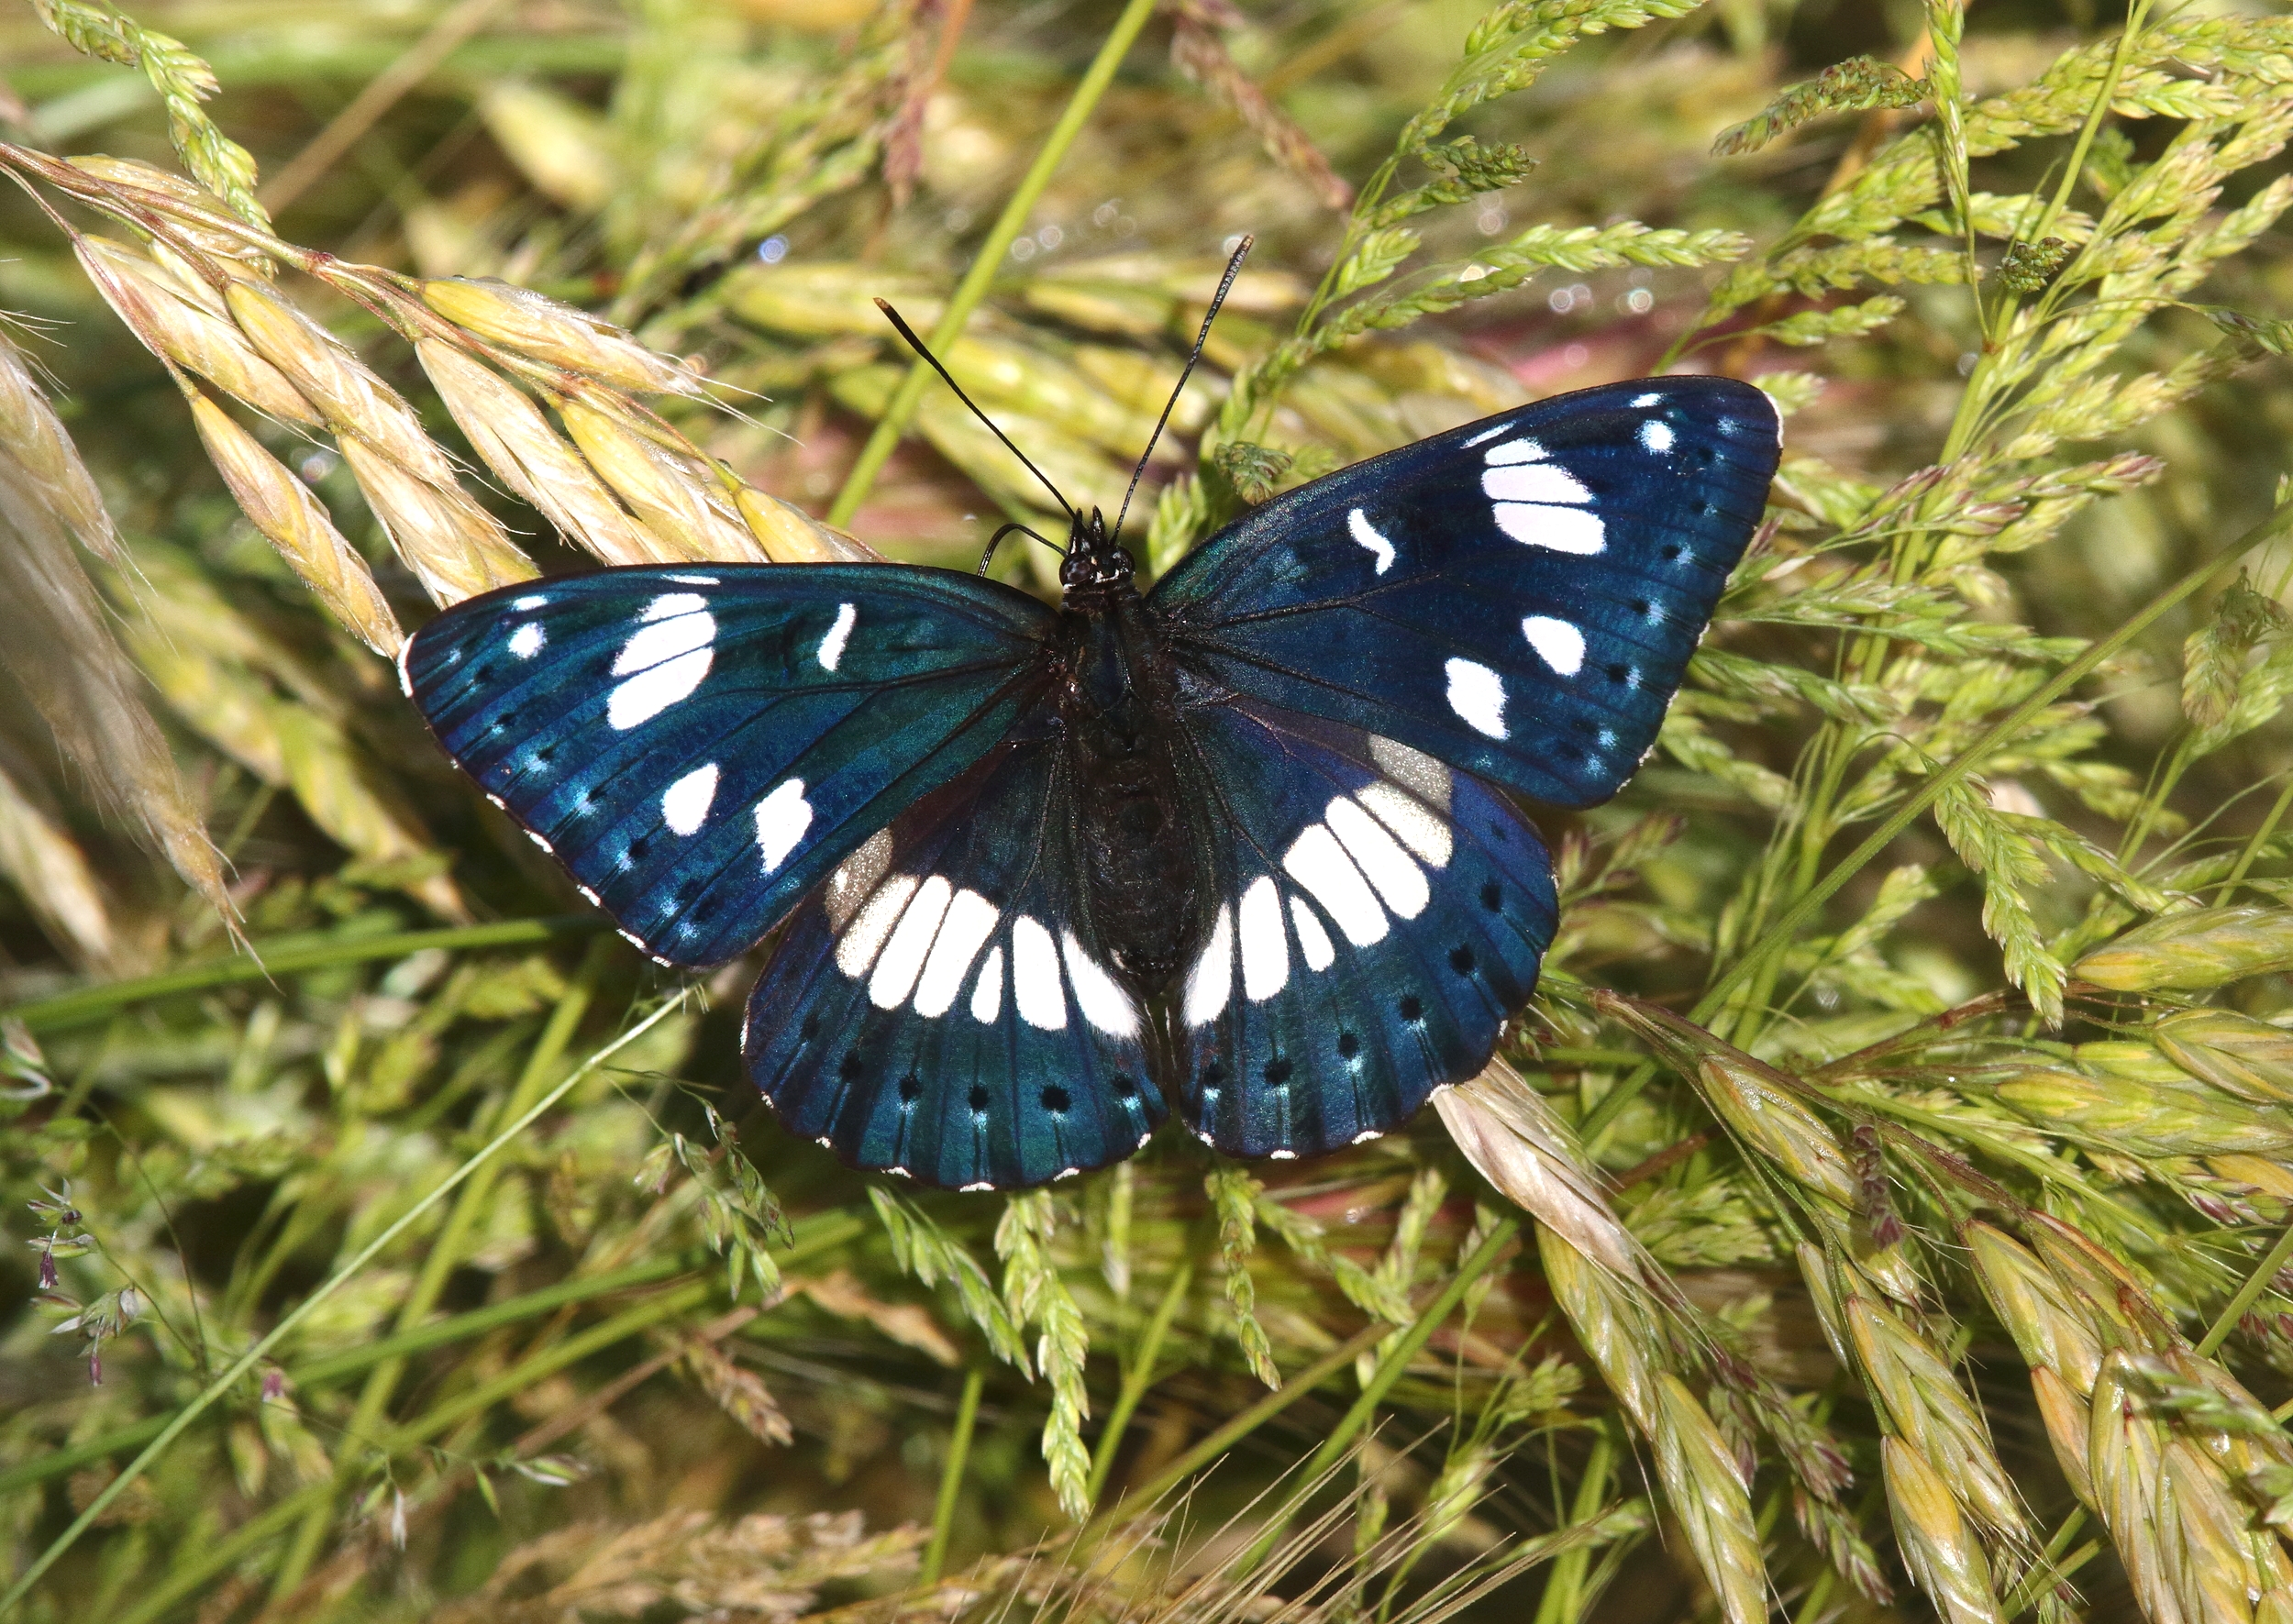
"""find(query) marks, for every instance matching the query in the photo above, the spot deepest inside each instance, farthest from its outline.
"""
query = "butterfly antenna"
(996, 540)
(1226, 285)
(918, 345)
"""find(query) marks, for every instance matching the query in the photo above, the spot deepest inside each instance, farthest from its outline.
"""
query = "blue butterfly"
(1241, 845)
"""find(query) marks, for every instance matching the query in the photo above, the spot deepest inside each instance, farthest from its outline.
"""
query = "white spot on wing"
(1099, 997)
(1560, 644)
(1487, 434)
(1514, 451)
(1366, 535)
(406, 676)
(970, 917)
(1314, 941)
(1265, 944)
(669, 605)
(1317, 862)
(856, 950)
(526, 641)
(1656, 436)
(1555, 529)
(782, 819)
(1424, 832)
(696, 580)
(856, 877)
(902, 957)
(530, 601)
(831, 645)
(1534, 481)
(664, 659)
(684, 805)
(1400, 883)
(1643, 402)
(987, 998)
(649, 692)
(1035, 976)
(1477, 695)
(1414, 770)
(1210, 982)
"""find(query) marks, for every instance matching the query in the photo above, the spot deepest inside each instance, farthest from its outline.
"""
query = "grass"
(1885, 1210)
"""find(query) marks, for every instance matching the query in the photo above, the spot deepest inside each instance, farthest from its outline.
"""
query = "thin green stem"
(1241, 1427)
(989, 258)
(951, 1474)
(1779, 935)
(441, 1259)
(85, 1005)
(202, 1562)
(2261, 839)
(1565, 1591)
(254, 1356)
(2248, 1294)
(1137, 1379)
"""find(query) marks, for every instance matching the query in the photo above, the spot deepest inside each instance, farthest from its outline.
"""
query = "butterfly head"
(1096, 564)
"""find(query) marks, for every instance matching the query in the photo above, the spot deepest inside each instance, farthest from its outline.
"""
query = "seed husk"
(2235, 1053)
(665, 491)
(453, 545)
(2204, 947)
(353, 401)
(290, 518)
(540, 328)
(790, 536)
(510, 432)
(171, 325)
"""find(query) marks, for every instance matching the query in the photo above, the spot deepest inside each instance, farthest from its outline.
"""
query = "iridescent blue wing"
(943, 1009)
(1375, 919)
(701, 746)
(1519, 596)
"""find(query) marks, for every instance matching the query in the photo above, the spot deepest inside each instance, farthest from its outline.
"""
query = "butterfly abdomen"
(1138, 865)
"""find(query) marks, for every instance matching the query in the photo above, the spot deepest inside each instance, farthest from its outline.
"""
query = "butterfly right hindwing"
(942, 1008)
(1375, 919)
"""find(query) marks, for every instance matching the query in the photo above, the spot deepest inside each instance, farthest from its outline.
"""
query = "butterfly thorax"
(1118, 709)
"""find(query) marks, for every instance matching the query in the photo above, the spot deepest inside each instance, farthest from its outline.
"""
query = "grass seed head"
(2145, 1119)
(290, 519)
(167, 325)
(2037, 1311)
(38, 457)
(2204, 947)
(453, 545)
(1516, 1141)
(1944, 1553)
(2068, 1426)
(674, 501)
(2235, 1053)
(1710, 1500)
(1790, 1134)
(510, 432)
(790, 536)
(344, 389)
(542, 329)
(1929, 1410)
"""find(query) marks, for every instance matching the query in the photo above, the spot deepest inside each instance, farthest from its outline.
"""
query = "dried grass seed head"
(148, 300)
(540, 329)
(454, 547)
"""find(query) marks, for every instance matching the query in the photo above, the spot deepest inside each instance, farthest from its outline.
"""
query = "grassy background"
(1902, 1128)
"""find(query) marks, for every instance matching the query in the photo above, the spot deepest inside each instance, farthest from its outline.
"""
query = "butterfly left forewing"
(699, 746)
(1519, 597)
(942, 1008)
(1374, 917)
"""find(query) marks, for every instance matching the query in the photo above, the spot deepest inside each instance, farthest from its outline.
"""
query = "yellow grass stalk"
(1944, 1553)
(542, 329)
(517, 443)
(171, 326)
(294, 522)
(346, 392)
(1518, 1144)
(39, 460)
(790, 536)
(677, 502)
(453, 545)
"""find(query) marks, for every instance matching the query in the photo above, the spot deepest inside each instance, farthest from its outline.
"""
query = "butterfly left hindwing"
(942, 1008)
(1374, 919)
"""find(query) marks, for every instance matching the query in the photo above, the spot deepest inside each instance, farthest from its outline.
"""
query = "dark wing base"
(942, 1009)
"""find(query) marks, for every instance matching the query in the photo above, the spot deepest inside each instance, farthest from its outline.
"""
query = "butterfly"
(1242, 845)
